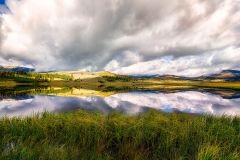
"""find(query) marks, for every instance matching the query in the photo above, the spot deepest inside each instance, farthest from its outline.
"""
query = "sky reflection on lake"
(127, 103)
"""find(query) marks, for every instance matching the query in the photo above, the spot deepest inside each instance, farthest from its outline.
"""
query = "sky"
(180, 37)
(2, 1)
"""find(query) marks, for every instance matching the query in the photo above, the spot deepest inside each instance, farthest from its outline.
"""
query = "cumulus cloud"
(122, 60)
(1, 37)
(203, 64)
(117, 35)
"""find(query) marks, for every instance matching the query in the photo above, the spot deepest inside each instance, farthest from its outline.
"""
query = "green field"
(154, 135)
(105, 81)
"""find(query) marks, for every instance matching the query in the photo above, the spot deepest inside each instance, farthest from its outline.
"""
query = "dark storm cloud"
(1, 36)
(189, 18)
(82, 45)
(129, 18)
(98, 35)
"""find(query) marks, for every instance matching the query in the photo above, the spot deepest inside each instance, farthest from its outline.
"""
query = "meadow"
(154, 135)
(83, 135)
(105, 81)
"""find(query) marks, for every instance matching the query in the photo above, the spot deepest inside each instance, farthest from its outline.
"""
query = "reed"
(154, 135)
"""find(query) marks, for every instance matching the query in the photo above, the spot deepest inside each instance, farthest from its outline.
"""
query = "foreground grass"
(154, 135)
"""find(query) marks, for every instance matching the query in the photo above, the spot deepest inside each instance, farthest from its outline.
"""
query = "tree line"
(33, 76)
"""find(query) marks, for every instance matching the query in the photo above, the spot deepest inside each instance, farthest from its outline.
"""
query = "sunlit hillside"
(86, 74)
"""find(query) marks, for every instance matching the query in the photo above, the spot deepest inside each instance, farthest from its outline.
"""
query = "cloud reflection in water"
(127, 103)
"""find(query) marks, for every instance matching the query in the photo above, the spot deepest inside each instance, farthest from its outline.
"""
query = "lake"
(28, 102)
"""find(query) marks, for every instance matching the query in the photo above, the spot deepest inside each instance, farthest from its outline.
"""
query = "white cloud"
(207, 63)
(121, 34)
(125, 59)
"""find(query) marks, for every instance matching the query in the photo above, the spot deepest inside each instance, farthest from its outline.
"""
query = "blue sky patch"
(3, 7)
(168, 58)
(2, 1)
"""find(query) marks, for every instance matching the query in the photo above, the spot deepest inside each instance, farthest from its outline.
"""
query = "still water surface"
(128, 103)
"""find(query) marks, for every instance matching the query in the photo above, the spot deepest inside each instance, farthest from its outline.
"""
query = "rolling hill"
(228, 75)
(225, 75)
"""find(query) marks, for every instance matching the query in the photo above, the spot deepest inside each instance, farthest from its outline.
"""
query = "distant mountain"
(146, 76)
(227, 75)
(16, 69)
(160, 76)
(231, 75)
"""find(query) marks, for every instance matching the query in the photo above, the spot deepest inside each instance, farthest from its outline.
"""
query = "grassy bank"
(155, 135)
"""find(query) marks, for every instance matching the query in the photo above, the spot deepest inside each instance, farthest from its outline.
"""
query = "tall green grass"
(154, 135)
